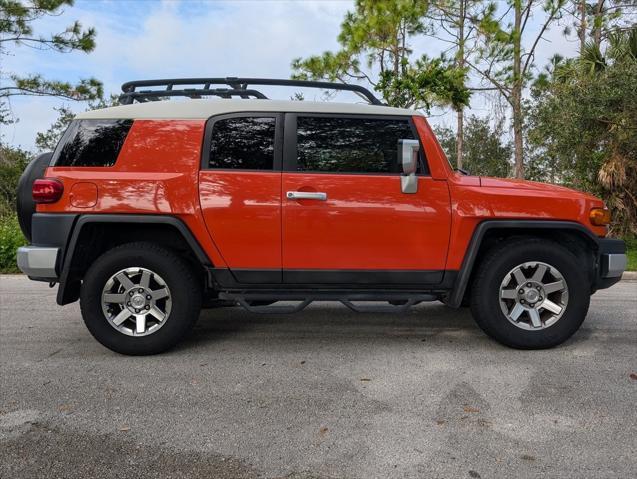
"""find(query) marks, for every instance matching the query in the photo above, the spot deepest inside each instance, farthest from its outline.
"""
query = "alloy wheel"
(136, 301)
(533, 295)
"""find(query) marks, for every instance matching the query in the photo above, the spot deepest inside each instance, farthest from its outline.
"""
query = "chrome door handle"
(306, 195)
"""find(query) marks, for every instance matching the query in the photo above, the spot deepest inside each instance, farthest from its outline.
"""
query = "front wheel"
(140, 299)
(530, 294)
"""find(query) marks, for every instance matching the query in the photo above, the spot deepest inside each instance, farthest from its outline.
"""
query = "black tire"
(485, 303)
(25, 206)
(185, 291)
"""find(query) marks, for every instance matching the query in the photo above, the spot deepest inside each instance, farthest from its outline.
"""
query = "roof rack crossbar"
(153, 95)
(238, 87)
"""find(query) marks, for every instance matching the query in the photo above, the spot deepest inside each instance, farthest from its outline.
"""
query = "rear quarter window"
(91, 143)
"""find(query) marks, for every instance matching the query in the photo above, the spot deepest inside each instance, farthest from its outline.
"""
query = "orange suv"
(148, 211)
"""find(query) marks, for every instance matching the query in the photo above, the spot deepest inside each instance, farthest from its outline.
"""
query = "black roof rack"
(238, 87)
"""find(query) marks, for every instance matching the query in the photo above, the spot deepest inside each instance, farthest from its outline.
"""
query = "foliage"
(10, 240)
(593, 20)
(17, 19)
(424, 84)
(36, 85)
(47, 140)
(501, 37)
(457, 21)
(374, 49)
(12, 164)
(583, 122)
(485, 152)
(505, 58)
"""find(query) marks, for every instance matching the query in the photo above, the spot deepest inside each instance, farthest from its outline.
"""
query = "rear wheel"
(530, 294)
(140, 299)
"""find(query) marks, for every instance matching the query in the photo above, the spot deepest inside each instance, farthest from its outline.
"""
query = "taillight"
(47, 190)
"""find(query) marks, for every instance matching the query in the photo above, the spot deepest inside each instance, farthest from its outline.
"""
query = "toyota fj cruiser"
(148, 211)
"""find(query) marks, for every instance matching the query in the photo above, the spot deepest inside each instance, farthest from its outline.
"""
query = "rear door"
(345, 218)
(240, 193)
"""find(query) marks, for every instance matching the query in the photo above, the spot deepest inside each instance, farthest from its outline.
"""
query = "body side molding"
(381, 280)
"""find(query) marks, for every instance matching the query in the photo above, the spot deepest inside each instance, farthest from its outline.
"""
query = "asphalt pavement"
(326, 393)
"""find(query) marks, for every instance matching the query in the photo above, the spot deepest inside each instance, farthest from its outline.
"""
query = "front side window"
(350, 145)
(245, 143)
(91, 143)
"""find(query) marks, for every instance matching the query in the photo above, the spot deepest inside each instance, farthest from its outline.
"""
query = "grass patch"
(10, 239)
(631, 252)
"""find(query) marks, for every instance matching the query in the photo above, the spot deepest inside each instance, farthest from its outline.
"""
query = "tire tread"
(495, 324)
(189, 287)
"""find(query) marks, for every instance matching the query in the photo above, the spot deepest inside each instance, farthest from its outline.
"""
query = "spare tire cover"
(25, 206)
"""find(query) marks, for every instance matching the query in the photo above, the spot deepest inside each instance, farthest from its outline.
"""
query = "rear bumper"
(39, 262)
(612, 262)
(42, 259)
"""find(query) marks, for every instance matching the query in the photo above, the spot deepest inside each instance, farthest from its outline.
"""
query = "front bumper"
(612, 262)
(613, 265)
(39, 262)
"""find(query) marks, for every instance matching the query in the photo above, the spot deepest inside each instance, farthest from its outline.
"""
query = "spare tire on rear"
(25, 206)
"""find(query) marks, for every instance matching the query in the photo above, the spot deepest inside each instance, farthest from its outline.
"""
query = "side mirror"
(408, 159)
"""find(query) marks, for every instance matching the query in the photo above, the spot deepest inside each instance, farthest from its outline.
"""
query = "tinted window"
(350, 145)
(245, 143)
(92, 143)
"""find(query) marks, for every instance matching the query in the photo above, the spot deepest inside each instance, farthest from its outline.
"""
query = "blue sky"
(138, 39)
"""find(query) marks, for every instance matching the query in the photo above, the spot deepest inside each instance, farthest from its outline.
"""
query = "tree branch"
(501, 88)
(527, 13)
(29, 92)
(531, 52)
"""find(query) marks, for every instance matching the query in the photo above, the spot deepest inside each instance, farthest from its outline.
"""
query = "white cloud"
(256, 39)
(143, 39)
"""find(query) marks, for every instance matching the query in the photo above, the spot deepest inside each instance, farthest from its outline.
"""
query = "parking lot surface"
(326, 393)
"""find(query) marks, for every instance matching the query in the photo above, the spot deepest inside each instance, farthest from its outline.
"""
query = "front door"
(345, 219)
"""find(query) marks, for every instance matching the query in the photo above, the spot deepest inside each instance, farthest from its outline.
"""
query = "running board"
(304, 299)
(274, 309)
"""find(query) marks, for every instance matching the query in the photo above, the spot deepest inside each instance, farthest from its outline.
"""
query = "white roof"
(203, 109)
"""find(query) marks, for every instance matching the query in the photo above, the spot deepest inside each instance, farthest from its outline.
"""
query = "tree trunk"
(460, 60)
(397, 51)
(581, 31)
(516, 92)
(518, 144)
(597, 25)
(459, 137)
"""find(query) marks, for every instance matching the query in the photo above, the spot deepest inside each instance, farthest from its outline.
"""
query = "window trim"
(290, 143)
(278, 140)
(71, 130)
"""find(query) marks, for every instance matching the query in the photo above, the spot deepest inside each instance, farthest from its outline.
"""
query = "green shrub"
(12, 164)
(10, 239)
(631, 251)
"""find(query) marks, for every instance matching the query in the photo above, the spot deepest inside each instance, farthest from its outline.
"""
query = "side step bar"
(408, 299)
